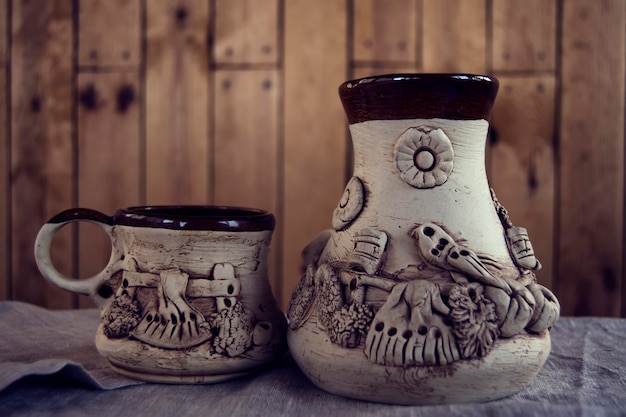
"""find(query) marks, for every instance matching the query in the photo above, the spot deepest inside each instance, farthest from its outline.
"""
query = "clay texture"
(427, 295)
(181, 306)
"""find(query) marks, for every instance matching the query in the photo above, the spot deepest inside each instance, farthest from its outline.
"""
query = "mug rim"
(196, 217)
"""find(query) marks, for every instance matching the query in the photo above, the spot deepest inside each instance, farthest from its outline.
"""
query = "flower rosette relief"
(424, 157)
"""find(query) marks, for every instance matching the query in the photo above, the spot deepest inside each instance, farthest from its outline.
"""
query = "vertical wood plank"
(5, 192)
(246, 31)
(385, 30)
(108, 121)
(177, 102)
(454, 36)
(522, 160)
(247, 143)
(246, 138)
(592, 157)
(524, 34)
(108, 33)
(315, 128)
(4, 28)
(5, 161)
(108, 158)
(42, 151)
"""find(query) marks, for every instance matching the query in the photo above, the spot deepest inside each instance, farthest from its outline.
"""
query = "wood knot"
(533, 182)
(125, 97)
(88, 97)
(35, 104)
(609, 280)
(181, 15)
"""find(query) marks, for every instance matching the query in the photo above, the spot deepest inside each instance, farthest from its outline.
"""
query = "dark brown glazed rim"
(217, 218)
(419, 96)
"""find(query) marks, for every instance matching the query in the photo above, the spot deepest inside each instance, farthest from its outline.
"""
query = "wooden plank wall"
(43, 164)
(111, 103)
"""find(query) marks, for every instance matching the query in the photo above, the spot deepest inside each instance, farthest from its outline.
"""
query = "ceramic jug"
(424, 291)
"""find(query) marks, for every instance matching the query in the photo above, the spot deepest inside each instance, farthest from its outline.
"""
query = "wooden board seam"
(376, 63)
(214, 66)
(522, 73)
(93, 69)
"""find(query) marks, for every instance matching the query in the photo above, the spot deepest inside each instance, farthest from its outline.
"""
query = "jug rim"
(460, 96)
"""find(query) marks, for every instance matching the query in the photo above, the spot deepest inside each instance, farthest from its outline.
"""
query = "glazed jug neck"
(419, 153)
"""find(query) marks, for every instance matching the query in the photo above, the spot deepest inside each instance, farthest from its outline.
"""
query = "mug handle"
(43, 242)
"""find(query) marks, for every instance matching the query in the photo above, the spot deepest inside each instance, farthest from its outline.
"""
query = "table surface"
(49, 366)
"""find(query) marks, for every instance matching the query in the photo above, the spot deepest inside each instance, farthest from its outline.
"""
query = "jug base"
(508, 368)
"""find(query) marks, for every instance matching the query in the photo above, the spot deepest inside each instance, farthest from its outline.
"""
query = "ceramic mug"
(185, 296)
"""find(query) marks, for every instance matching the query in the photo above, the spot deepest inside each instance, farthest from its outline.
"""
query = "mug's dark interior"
(221, 218)
(195, 211)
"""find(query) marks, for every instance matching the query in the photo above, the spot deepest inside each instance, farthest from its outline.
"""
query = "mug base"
(179, 379)
(195, 365)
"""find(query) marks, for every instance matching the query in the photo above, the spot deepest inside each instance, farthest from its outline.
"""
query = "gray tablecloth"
(49, 366)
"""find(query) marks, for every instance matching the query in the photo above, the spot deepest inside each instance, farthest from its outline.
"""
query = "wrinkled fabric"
(50, 366)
